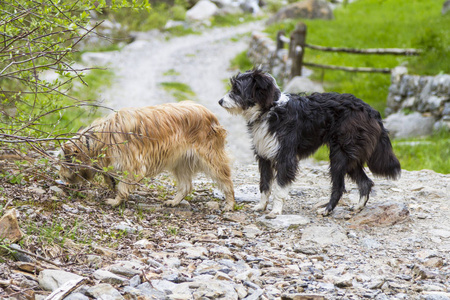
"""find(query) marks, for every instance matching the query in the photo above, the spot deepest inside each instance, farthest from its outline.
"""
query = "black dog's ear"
(265, 91)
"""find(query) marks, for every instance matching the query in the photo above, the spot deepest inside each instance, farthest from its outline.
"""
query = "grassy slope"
(383, 24)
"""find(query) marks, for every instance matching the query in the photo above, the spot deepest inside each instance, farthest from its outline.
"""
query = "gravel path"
(200, 61)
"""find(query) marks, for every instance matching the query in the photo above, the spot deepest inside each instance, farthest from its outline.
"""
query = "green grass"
(171, 72)
(431, 153)
(180, 91)
(241, 62)
(377, 24)
(96, 79)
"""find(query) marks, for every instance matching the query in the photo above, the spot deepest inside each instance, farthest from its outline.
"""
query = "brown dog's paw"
(228, 207)
(113, 202)
(171, 203)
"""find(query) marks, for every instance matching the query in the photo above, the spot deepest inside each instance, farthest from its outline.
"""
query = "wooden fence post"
(280, 42)
(297, 48)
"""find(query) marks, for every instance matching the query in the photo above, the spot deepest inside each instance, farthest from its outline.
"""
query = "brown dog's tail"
(383, 161)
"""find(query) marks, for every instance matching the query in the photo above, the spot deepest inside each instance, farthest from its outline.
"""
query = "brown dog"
(183, 138)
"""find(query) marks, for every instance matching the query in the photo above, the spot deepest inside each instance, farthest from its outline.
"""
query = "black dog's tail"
(383, 161)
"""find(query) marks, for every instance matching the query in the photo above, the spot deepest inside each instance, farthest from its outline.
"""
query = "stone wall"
(428, 95)
(262, 53)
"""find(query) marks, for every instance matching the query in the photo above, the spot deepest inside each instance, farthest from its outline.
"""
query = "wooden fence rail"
(297, 44)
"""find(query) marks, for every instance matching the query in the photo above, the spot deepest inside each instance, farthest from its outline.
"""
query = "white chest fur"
(265, 143)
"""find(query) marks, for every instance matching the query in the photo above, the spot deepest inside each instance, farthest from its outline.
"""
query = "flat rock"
(284, 221)
(104, 291)
(50, 280)
(302, 297)
(323, 235)
(126, 268)
(109, 277)
(247, 193)
(411, 125)
(251, 231)
(76, 296)
(195, 252)
(386, 214)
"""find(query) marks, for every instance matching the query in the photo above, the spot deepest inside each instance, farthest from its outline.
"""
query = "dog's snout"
(220, 102)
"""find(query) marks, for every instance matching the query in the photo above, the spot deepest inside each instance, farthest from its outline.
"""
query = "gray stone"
(255, 295)
(208, 267)
(50, 280)
(144, 244)
(172, 262)
(164, 286)
(302, 296)
(76, 296)
(109, 277)
(446, 7)
(19, 256)
(135, 281)
(143, 291)
(220, 252)
(370, 243)
(435, 296)
(56, 189)
(70, 209)
(401, 125)
(251, 231)
(126, 268)
(215, 289)
(195, 252)
(250, 6)
(284, 221)
(323, 235)
(202, 10)
(247, 193)
(104, 291)
(124, 226)
(300, 84)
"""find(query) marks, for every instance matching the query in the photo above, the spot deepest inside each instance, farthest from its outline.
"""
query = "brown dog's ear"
(265, 91)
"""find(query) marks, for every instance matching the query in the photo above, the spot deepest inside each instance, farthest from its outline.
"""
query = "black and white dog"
(286, 128)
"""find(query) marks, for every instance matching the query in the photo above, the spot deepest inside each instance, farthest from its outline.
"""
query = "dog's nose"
(220, 102)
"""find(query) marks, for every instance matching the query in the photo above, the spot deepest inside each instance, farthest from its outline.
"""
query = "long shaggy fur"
(183, 138)
(286, 128)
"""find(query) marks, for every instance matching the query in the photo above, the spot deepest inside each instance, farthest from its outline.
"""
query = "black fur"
(353, 131)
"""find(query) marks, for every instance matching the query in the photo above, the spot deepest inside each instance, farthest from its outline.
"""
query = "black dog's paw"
(324, 211)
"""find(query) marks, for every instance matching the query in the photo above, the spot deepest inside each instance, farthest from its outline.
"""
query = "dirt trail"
(200, 61)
